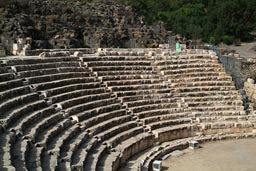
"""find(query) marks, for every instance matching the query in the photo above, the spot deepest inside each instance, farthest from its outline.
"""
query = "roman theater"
(114, 109)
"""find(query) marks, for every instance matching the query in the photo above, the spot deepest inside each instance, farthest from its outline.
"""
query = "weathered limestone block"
(2, 53)
(250, 81)
(54, 54)
(250, 90)
(176, 132)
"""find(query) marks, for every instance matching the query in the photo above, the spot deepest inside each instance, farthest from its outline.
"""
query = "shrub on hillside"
(228, 40)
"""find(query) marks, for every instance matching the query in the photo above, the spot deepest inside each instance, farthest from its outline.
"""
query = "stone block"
(251, 81)
(78, 54)
(2, 53)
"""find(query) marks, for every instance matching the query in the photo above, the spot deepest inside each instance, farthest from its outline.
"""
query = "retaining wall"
(239, 68)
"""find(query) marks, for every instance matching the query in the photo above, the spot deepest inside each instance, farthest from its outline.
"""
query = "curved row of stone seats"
(7, 77)
(154, 106)
(53, 77)
(50, 133)
(163, 61)
(92, 157)
(203, 94)
(120, 78)
(126, 150)
(135, 86)
(125, 72)
(120, 156)
(5, 152)
(122, 68)
(56, 95)
(27, 65)
(29, 91)
(142, 94)
(200, 79)
(200, 76)
(112, 83)
(196, 51)
(120, 52)
(133, 99)
(191, 75)
(47, 65)
(112, 119)
(20, 101)
(118, 88)
(153, 116)
(4, 69)
(156, 113)
(193, 70)
(38, 133)
(128, 94)
(95, 58)
(116, 62)
(36, 60)
(137, 72)
(98, 118)
(202, 83)
(205, 88)
(197, 64)
(8, 104)
(37, 73)
(10, 85)
(143, 162)
(226, 108)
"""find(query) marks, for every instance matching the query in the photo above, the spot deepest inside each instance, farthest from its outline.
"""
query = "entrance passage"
(230, 155)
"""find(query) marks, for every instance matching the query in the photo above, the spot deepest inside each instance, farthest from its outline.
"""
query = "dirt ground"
(245, 50)
(230, 155)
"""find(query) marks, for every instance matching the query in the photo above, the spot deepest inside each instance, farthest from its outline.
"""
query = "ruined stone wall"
(239, 68)
(73, 24)
(71, 51)
(250, 89)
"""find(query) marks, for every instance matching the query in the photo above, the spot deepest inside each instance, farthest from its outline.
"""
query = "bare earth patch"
(230, 155)
(245, 50)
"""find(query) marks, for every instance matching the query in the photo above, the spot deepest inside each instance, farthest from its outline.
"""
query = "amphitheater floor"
(230, 155)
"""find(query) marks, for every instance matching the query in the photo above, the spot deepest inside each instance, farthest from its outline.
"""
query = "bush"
(212, 40)
(237, 42)
(228, 40)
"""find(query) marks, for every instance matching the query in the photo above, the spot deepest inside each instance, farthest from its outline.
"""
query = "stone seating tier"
(191, 75)
(8, 105)
(9, 85)
(98, 111)
(120, 78)
(126, 72)
(113, 58)
(34, 73)
(39, 66)
(27, 61)
(123, 68)
(117, 63)
(166, 66)
(201, 79)
(160, 62)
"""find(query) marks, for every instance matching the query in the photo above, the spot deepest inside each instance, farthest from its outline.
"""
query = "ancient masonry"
(73, 24)
(98, 111)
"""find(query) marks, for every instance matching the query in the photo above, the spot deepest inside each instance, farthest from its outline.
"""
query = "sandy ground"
(245, 50)
(231, 155)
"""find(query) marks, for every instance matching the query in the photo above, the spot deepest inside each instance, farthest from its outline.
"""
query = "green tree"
(202, 19)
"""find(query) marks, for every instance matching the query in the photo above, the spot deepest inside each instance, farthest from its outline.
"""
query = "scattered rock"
(73, 24)
(78, 54)
(237, 55)
(251, 81)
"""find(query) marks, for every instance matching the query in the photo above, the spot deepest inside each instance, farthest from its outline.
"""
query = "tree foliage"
(218, 20)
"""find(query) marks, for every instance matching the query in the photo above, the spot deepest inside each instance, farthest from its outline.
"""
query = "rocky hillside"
(69, 24)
